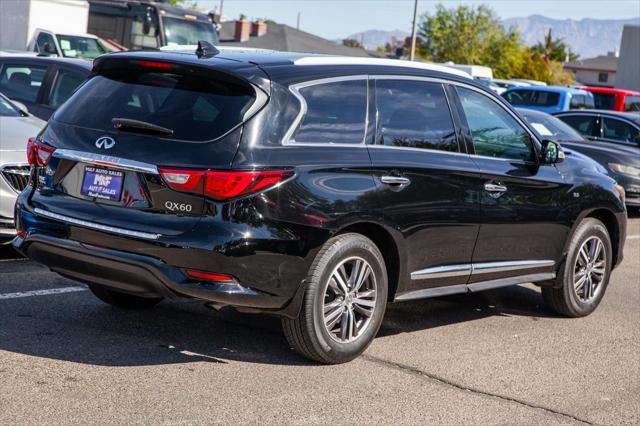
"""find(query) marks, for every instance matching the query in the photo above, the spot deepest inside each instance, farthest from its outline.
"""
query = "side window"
(336, 113)
(63, 87)
(582, 123)
(494, 131)
(581, 102)
(632, 103)
(140, 40)
(21, 82)
(618, 130)
(414, 114)
(45, 43)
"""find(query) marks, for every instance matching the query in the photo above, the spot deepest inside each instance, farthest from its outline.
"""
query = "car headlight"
(625, 170)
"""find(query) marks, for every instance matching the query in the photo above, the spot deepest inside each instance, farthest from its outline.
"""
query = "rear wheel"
(123, 300)
(344, 301)
(583, 278)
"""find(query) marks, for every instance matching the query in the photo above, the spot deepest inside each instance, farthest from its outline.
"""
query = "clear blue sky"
(335, 19)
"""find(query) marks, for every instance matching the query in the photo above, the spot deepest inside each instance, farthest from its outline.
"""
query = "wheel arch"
(387, 245)
(608, 218)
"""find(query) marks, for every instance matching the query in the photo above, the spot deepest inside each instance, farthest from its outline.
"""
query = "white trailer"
(20, 19)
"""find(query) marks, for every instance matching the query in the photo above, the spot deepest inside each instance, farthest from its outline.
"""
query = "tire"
(567, 297)
(123, 300)
(309, 334)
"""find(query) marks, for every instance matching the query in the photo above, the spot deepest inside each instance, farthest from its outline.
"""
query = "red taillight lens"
(224, 185)
(38, 154)
(209, 276)
(160, 66)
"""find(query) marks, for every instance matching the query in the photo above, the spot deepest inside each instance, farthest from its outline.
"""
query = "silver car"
(16, 126)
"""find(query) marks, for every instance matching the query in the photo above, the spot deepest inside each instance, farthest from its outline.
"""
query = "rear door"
(521, 230)
(129, 122)
(426, 183)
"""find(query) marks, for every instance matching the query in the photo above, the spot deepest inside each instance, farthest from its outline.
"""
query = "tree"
(475, 36)
(555, 49)
(349, 42)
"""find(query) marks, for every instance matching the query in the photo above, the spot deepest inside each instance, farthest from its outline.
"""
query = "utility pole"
(221, 6)
(412, 56)
(298, 24)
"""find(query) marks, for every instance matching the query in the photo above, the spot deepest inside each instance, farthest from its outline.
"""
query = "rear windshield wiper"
(140, 126)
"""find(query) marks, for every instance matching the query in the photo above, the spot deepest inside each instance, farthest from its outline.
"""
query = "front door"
(522, 201)
(426, 184)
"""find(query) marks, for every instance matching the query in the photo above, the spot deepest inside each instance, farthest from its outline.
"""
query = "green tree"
(474, 35)
(555, 49)
(349, 42)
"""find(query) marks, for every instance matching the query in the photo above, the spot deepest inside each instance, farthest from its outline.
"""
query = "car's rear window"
(604, 100)
(532, 97)
(195, 108)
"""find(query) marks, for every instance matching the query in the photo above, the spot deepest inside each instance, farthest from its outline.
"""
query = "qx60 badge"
(105, 142)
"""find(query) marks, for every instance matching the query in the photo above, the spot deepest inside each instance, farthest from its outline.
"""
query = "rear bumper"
(140, 275)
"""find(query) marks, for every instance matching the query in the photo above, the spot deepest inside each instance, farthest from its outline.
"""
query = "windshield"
(7, 109)
(549, 127)
(189, 107)
(80, 47)
(184, 32)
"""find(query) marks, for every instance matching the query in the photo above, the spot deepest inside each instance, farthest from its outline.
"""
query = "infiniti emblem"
(105, 142)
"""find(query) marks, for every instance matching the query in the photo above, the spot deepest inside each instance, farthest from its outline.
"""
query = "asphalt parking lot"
(493, 357)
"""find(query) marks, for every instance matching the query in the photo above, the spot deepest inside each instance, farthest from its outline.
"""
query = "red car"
(615, 99)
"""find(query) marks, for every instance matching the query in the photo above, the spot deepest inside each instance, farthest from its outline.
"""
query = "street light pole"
(221, 6)
(412, 56)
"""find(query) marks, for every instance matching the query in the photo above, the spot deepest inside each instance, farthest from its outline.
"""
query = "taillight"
(223, 185)
(38, 154)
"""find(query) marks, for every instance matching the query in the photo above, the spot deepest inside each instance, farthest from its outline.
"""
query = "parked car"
(41, 83)
(85, 46)
(491, 85)
(621, 162)
(622, 128)
(16, 127)
(316, 188)
(615, 99)
(549, 98)
(508, 84)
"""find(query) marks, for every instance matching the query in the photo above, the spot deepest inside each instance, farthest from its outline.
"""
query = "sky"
(336, 19)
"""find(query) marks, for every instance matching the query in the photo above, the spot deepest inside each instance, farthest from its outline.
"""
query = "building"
(244, 33)
(598, 71)
(628, 75)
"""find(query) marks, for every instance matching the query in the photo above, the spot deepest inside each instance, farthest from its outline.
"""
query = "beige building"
(628, 75)
(598, 71)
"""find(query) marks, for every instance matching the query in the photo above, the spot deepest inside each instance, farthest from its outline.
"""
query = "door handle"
(395, 180)
(492, 187)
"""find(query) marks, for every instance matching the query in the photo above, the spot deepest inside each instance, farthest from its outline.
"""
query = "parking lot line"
(41, 292)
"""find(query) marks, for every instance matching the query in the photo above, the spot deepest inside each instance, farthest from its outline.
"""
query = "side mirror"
(22, 107)
(147, 22)
(551, 152)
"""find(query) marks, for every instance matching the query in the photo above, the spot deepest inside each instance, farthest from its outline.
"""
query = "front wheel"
(584, 276)
(344, 301)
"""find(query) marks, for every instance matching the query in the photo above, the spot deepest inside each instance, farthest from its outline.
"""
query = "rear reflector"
(223, 185)
(38, 154)
(209, 276)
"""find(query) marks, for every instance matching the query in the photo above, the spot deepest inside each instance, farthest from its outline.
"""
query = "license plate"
(102, 183)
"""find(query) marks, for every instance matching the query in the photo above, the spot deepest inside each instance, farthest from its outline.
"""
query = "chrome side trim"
(442, 272)
(105, 160)
(504, 282)
(512, 265)
(97, 226)
(433, 292)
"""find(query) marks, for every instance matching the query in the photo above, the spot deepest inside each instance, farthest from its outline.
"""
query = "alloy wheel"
(349, 299)
(589, 270)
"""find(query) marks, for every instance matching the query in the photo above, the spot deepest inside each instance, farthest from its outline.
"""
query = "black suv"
(315, 188)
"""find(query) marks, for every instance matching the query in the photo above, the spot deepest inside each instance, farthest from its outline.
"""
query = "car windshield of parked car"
(549, 127)
(80, 47)
(539, 98)
(194, 108)
(183, 32)
(7, 109)
(604, 100)
(632, 103)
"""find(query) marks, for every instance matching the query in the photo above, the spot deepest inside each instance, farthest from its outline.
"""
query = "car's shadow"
(78, 328)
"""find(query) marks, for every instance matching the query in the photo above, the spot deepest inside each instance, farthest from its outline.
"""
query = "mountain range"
(587, 37)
